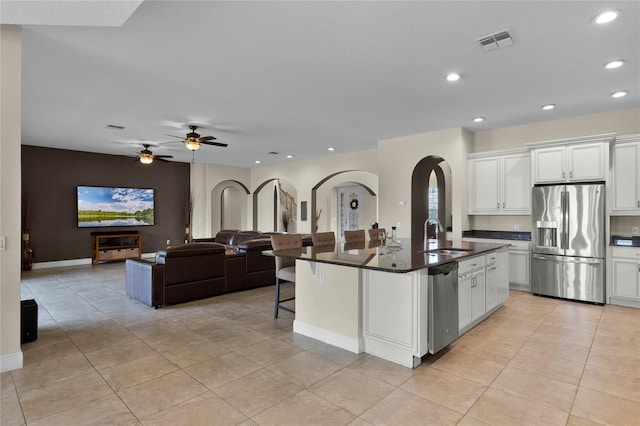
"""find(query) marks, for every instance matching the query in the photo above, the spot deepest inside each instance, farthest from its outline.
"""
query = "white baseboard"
(351, 344)
(11, 362)
(76, 262)
(62, 263)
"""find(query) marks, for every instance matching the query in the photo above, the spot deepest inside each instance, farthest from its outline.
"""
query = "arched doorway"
(430, 195)
(229, 206)
(277, 209)
(327, 213)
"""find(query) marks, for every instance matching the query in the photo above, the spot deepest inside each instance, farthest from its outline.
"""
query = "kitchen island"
(367, 297)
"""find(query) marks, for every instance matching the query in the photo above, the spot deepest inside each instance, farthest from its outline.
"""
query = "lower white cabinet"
(519, 261)
(497, 278)
(472, 295)
(519, 265)
(625, 276)
(483, 285)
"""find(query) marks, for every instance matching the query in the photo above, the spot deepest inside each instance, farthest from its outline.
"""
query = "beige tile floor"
(102, 358)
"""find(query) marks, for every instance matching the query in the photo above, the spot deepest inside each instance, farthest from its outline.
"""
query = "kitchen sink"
(447, 251)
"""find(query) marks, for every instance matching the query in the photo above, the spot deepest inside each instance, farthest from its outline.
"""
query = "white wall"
(10, 196)
(621, 122)
(397, 159)
(305, 174)
(204, 178)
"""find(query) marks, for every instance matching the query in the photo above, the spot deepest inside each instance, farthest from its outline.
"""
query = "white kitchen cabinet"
(500, 184)
(625, 277)
(626, 175)
(519, 254)
(579, 162)
(519, 265)
(465, 303)
(497, 278)
(471, 291)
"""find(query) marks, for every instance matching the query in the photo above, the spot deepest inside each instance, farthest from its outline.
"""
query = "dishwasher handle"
(444, 269)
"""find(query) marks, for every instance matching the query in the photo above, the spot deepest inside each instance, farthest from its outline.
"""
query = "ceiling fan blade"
(163, 156)
(160, 159)
(207, 138)
(214, 143)
(179, 137)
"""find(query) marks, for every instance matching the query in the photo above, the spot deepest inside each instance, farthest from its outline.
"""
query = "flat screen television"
(101, 206)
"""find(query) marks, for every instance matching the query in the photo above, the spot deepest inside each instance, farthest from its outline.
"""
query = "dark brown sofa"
(179, 274)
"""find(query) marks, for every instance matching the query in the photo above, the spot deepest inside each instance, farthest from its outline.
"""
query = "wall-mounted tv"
(100, 206)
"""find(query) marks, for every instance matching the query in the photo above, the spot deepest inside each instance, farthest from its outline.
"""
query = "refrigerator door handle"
(563, 218)
(567, 204)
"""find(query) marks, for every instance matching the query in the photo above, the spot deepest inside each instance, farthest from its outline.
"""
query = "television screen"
(103, 206)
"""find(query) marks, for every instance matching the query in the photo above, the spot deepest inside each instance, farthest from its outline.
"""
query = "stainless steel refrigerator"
(568, 241)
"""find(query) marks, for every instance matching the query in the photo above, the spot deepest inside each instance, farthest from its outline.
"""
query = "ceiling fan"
(193, 140)
(146, 156)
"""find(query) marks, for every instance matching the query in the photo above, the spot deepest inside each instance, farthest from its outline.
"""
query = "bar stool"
(324, 238)
(356, 236)
(285, 267)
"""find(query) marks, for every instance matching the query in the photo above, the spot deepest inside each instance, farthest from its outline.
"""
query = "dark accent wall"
(49, 180)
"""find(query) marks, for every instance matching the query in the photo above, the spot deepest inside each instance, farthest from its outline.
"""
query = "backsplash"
(623, 225)
(500, 223)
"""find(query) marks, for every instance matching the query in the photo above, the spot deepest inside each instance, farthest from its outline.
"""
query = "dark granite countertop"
(625, 241)
(372, 255)
(498, 235)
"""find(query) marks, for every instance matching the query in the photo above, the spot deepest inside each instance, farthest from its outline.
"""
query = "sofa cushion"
(185, 250)
(242, 236)
(226, 236)
(191, 262)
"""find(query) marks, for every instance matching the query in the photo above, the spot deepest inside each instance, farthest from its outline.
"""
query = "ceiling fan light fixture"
(606, 17)
(146, 158)
(193, 145)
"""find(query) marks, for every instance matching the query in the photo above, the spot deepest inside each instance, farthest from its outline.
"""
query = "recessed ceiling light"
(257, 161)
(289, 156)
(478, 119)
(331, 148)
(605, 17)
(619, 94)
(453, 77)
(614, 64)
(548, 107)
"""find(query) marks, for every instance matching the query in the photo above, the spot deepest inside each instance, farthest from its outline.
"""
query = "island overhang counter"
(368, 297)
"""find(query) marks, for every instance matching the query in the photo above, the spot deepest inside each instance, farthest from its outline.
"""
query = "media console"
(117, 245)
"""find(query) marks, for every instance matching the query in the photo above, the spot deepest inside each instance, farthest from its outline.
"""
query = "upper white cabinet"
(574, 163)
(500, 183)
(571, 160)
(626, 175)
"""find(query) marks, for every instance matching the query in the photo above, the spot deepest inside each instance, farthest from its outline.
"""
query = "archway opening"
(430, 196)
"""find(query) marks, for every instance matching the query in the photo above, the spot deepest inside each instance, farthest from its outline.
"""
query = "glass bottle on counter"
(394, 242)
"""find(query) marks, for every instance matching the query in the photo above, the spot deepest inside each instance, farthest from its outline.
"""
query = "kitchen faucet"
(439, 229)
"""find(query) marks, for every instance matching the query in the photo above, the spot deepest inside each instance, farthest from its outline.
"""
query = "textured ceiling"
(298, 77)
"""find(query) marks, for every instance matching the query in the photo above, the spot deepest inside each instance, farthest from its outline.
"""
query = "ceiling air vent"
(493, 41)
(273, 153)
(114, 126)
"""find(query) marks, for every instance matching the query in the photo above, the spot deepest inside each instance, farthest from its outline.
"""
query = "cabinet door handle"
(638, 203)
(562, 175)
(498, 204)
(503, 204)
(571, 174)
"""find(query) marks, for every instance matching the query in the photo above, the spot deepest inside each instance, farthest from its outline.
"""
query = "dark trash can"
(28, 320)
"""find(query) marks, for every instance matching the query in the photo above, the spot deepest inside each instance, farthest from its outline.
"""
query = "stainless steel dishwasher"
(443, 305)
